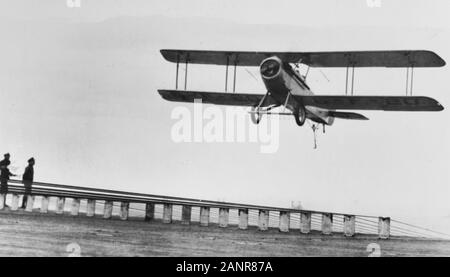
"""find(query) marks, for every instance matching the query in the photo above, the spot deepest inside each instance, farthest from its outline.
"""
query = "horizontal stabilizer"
(389, 58)
(376, 103)
(217, 98)
(347, 115)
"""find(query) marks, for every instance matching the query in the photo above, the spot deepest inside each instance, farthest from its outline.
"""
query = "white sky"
(78, 92)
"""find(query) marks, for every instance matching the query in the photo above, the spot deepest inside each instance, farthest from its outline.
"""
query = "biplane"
(287, 87)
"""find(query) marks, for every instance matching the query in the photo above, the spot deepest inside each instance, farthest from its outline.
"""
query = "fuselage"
(281, 79)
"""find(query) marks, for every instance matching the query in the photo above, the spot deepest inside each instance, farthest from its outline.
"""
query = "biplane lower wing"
(217, 98)
(383, 103)
(330, 102)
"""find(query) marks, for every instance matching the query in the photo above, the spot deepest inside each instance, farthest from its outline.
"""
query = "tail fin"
(347, 115)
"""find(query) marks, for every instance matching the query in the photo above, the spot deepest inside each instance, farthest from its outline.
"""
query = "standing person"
(27, 180)
(5, 173)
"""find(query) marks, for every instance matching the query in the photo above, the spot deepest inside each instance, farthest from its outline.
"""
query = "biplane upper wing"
(390, 58)
(384, 103)
(217, 98)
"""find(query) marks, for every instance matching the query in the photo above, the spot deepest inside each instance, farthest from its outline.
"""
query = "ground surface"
(34, 234)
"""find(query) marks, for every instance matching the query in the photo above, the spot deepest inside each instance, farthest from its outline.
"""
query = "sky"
(78, 90)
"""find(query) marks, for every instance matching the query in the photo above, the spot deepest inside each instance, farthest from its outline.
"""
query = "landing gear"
(300, 115)
(255, 115)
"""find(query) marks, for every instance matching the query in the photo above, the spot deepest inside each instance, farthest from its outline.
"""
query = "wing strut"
(186, 74)
(186, 60)
(353, 78)
(346, 80)
(178, 67)
(307, 71)
(226, 74)
(234, 74)
(352, 73)
(234, 80)
(409, 80)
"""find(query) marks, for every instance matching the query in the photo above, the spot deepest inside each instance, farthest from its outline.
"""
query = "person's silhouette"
(5, 174)
(27, 180)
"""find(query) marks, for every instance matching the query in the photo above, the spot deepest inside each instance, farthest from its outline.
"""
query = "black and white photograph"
(240, 130)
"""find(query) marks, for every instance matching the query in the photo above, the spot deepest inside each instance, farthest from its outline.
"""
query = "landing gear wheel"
(255, 115)
(300, 115)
